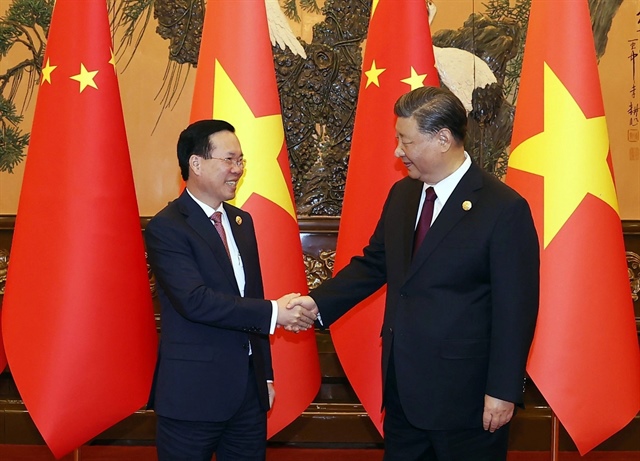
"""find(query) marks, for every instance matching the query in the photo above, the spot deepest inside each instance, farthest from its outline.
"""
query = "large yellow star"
(571, 153)
(373, 74)
(46, 72)
(374, 5)
(416, 80)
(85, 78)
(261, 139)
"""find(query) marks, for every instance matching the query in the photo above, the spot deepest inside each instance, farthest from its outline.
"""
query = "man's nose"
(398, 152)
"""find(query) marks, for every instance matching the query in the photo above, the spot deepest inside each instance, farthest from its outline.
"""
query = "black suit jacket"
(203, 358)
(460, 314)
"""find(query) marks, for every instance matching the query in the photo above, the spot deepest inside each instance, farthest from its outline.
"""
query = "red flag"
(236, 82)
(585, 348)
(392, 65)
(78, 320)
(3, 356)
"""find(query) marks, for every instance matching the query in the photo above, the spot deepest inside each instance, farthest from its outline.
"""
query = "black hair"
(194, 140)
(434, 108)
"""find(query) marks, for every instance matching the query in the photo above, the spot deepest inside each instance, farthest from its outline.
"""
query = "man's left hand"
(497, 413)
(272, 393)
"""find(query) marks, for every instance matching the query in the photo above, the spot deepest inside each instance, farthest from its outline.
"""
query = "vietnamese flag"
(236, 82)
(585, 349)
(396, 61)
(78, 323)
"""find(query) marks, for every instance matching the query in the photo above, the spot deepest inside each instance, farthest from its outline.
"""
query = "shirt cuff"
(274, 317)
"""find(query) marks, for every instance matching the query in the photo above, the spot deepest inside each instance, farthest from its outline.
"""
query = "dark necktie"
(217, 222)
(425, 218)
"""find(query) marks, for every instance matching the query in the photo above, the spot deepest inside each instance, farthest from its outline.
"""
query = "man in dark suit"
(460, 308)
(213, 383)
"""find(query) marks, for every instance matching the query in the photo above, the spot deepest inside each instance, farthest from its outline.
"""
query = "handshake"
(296, 313)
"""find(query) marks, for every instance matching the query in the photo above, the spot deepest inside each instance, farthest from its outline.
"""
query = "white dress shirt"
(234, 254)
(444, 188)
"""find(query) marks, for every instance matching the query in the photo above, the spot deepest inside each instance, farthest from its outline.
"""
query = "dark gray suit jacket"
(203, 361)
(460, 314)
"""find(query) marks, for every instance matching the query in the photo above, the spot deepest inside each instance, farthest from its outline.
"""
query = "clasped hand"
(296, 313)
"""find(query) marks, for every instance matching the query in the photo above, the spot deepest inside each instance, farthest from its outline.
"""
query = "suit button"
(390, 330)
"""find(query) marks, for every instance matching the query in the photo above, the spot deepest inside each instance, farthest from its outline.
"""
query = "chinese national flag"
(77, 319)
(395, 62)
(236, 82)
(3, 356)
(585, 349)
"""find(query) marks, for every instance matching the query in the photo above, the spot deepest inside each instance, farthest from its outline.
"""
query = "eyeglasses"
(240, 163)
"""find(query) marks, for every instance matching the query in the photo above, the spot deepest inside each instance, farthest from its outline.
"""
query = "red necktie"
(425, 218)
(217, 222)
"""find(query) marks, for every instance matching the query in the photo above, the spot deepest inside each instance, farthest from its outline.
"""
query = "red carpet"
(107, 453)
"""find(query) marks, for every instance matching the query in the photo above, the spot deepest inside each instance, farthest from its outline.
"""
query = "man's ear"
(194, 164)
(445, 138)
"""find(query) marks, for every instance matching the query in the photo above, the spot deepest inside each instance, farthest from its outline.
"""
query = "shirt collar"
(444, 188)
(206, 208)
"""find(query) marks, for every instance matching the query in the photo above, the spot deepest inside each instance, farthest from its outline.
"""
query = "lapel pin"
(466, 205)
(238, 220)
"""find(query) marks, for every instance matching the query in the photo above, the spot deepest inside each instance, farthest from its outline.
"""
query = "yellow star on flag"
(261, 138)
(374, 5)
(112, 61)
(85, 78)
(571, 154)
(373, 74)
(46, 72)
(416, 80)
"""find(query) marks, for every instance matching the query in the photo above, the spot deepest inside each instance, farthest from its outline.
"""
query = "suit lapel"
(201, 224)
(244, 238)
(409, 222)
(468, 189)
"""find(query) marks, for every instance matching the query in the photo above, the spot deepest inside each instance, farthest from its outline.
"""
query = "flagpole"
(76, 454)
(555, 436)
